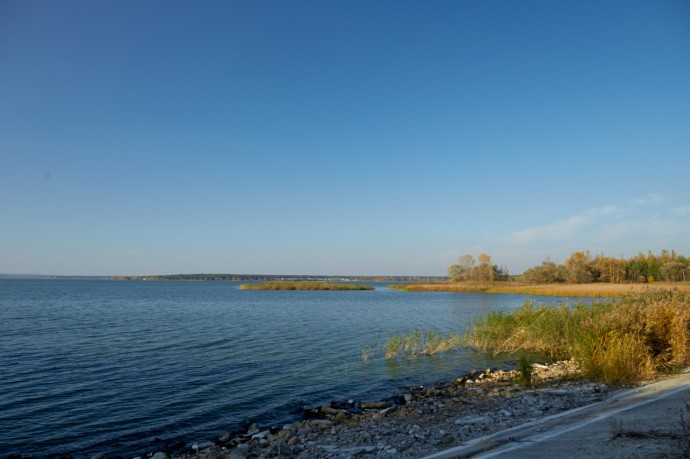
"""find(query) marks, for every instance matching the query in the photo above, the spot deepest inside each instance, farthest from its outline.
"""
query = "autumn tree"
(484, 271)
(463, 269)
(674, 271)
(578, 268)
(546, 273)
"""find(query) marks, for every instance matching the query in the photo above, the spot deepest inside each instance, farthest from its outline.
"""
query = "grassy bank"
(598, 290)
(618, 341)
(303, 285)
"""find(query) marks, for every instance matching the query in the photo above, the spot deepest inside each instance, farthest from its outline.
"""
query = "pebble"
(422, 421)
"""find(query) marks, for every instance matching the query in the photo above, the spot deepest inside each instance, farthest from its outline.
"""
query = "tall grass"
(619, 341)
(416, 342)
(303, 285)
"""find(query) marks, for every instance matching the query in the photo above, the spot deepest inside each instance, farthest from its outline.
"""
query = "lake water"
(92, 365)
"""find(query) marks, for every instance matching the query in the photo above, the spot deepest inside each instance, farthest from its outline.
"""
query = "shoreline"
(422, 420)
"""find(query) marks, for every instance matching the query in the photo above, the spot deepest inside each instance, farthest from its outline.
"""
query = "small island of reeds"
(304, 285)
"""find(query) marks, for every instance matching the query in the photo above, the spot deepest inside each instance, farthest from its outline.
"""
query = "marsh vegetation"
(618, 341)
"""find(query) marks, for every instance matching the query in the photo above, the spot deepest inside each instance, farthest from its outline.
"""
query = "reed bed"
(303, 285)
(415, 342)
(596, 290)
(619, 341)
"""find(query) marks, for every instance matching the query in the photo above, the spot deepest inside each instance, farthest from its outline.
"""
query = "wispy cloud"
(682, 210)
(652, 198)
(565, 228)
(614, 229)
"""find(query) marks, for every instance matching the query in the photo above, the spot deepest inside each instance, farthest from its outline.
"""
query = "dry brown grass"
(624, 340)
(598, 290)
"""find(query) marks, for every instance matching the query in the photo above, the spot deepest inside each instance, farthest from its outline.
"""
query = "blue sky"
(339, 137)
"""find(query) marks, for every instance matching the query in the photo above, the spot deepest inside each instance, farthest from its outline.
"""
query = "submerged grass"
(303, 285)
(416, 342)
(619, 341)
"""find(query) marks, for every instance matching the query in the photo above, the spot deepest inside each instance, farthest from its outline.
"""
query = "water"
(91, 366)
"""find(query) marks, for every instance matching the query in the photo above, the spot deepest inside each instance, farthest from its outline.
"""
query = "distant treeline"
(276, 277)
(581, 268)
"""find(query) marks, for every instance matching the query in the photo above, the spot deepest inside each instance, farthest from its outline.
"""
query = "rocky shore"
(418, 422)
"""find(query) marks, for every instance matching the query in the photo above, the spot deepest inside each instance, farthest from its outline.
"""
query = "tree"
(484, 272)
(546, 273)
(463, 269)
(674, 271)
(578, 270)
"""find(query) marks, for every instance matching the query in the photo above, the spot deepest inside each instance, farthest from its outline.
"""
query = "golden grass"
(303, 285)
(598, 290)
(622, 340)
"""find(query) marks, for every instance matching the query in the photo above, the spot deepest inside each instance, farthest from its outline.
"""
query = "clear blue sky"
(339, 137)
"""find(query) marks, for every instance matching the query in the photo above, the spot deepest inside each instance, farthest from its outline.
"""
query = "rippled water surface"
(91, 365)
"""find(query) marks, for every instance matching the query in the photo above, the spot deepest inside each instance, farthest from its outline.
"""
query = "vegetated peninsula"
(581, 275)
(304, 285)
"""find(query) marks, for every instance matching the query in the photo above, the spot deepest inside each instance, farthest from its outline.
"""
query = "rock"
(237, 453)
(252, 429)
(293, 441)
(473, 420)
(214, 452)
(283, 450)
(320, 423)
(373, 405)
(158, 455)
(202, 445)
(445, 440)
(329, 411)
(261, 435)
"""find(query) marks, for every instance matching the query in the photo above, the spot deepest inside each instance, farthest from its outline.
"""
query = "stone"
(329, 411)
(373, 405)
(473, 420)
(283, 450)
(320, 423)
(237, 453)
(293, 441)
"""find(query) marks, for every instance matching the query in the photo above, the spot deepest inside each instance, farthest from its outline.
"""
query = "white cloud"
(652, 198)
(563, 229)
(610, 229)
(682, 210)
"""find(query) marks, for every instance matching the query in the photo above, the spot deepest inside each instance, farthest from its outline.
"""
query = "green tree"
(546, 273)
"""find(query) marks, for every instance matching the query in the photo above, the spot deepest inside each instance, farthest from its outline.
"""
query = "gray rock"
(473, 420)
(159, 455)
(237, 453)
(252, 429)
